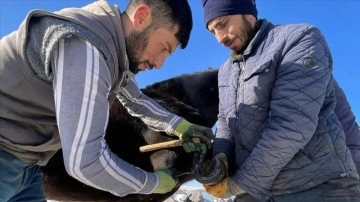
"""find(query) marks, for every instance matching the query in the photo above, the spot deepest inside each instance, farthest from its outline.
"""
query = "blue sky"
(337, 19)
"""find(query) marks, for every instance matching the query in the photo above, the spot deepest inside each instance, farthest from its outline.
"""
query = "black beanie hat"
(218, 8)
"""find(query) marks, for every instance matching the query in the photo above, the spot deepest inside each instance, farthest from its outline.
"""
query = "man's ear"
(251, 18)
(142, 17)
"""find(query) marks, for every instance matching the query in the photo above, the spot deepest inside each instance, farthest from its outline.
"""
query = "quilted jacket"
(348, 122)
(276, 113)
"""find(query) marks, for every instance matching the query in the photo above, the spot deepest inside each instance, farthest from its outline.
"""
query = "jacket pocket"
(263, 68)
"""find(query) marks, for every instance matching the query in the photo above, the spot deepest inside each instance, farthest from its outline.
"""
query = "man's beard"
(250, 33)
(136, 43)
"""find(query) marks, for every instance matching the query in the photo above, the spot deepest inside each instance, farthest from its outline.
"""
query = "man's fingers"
(204, 135)
(189, 146)
(203, 148)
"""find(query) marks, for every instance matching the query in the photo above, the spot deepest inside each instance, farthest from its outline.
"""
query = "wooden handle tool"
(164, 145)
(161, 145)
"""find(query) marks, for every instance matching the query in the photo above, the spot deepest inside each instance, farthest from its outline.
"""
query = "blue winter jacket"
(347, 120)
(276, 113)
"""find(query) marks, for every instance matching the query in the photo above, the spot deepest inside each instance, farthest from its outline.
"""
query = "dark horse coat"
(192, 96)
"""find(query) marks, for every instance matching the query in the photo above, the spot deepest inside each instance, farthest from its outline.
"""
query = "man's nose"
(159, 61)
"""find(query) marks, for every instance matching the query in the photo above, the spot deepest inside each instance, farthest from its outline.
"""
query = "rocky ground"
(187, 194)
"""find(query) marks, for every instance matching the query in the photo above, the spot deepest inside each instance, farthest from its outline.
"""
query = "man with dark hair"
(277, 134)
(59, 74)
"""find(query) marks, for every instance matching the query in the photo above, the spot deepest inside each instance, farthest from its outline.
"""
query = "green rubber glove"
(188, 131)
(166, 181)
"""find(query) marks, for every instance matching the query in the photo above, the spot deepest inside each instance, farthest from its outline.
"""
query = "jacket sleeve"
(347, 120)
(224, 140)
(302, 79)
(147, 109)
(82, 83)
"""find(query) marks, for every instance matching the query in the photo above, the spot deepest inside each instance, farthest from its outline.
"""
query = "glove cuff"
(234, 188)
(181, 128)
(166, 182)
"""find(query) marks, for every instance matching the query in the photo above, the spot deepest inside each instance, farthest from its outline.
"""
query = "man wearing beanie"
(61, 71)
(278, 133)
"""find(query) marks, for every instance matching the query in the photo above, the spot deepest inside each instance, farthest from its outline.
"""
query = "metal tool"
(211, 173)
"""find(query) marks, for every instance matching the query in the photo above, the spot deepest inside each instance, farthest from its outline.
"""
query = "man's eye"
(163, 49)
(220, 25)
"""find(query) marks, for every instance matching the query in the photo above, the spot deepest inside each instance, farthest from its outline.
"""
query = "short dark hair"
(168, 13)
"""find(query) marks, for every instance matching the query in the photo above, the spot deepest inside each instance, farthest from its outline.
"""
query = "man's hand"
(219, 190)
(166, 181)
(188, 131)
(224, 189)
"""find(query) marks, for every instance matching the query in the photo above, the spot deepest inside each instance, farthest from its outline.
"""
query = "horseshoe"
(216, 174)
